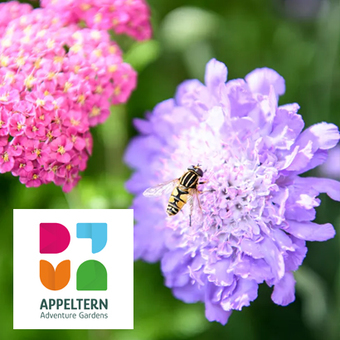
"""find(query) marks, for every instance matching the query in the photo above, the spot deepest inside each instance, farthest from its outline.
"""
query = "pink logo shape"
(54, 238)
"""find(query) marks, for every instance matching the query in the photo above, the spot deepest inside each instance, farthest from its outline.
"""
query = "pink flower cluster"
(11, 10)
(56, 81)
(131, 17)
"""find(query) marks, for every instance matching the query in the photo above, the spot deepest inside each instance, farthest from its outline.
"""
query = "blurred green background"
(298, 38)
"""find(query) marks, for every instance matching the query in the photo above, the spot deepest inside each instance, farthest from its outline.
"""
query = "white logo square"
(73, 269)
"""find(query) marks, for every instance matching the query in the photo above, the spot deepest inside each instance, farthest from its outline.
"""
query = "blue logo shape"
(97, 232)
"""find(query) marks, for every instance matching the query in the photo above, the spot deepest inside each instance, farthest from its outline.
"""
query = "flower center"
(5, 157)
(67, 86)
(81, 99)
(40, 102)
(74, 122)
(95, 111)
(4, 97)
(61, 150)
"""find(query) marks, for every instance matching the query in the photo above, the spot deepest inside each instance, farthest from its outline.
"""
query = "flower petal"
(259, 81)
(284, 291)
(215, 74)
(310, 231)
(244, 293)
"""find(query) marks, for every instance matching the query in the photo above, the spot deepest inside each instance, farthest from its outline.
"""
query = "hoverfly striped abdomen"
(178, 198)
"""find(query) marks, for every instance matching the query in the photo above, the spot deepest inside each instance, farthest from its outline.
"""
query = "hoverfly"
(184, 190)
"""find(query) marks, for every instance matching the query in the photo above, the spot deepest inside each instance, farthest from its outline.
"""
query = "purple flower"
(257, 210)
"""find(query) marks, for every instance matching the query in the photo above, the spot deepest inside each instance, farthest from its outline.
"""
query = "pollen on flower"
(40, 102)
(117, 90)
(67, 86)
(5, 157)
(98, 18)
(74, 122)
(96, 35)
(50, 43)
(61, 150)
(95, 111)
(99, 89)
(76, 69)
(29, 81)
(20, 61)
(76, 48)
(112, 68)
(35, 176)
(58, 59)
(4, 60)
(4, 97)
(98, 52)
(85, 7)
(81, 99)
(51, 75)
(37, 63)
(256, 210)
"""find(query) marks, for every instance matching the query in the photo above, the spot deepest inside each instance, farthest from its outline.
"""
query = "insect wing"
(196, 213)
(160, 189)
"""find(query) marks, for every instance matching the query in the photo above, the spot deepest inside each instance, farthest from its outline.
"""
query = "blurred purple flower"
(257, 209)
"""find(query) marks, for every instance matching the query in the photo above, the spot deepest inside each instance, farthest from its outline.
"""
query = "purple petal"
(294, 259)
(218, 273)
(190, 293)
(287, 125)
(172, 259)
(244, 293)
(141, 149)
(213, 310)
(249, 268)
(273, 257)
(327, 135)
(284, 291)
(323, 185)
(310, 231)
(259, 81)
(251, 248)
(215, 74)
(143, 126)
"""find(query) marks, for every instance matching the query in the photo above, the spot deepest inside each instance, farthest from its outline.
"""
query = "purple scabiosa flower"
(257, 210)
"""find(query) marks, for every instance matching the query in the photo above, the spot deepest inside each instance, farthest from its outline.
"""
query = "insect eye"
(199, 172)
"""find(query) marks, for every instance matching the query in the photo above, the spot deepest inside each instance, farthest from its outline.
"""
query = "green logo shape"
(91, 275)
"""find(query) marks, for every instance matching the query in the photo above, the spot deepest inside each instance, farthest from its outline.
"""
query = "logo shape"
(54, 239)
(91, 275)
(55, 279)
(97, 232)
